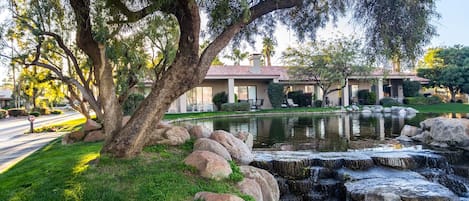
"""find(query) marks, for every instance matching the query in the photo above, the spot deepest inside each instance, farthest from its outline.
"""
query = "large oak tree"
(95, 25)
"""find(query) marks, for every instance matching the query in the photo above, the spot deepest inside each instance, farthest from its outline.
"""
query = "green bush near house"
(36, 114)
(220, 98)
(420, 100)
(275, 92)
(317, 103)
(56, 112)
(300, 98)
(366, 97)
(131, 103)
(388, 102)
(3, 113)
(231, 107)
(42, 111)
(17, 112)
(411, 88)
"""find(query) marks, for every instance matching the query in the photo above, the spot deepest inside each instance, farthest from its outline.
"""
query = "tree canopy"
(108, 44)
(447, 67)
(328, 63)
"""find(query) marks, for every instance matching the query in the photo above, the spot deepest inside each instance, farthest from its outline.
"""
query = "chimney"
(255, 60)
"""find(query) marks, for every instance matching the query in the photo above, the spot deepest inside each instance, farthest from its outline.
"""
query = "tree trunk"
(396, 64)
(108, 98)
(130, 140)
(453, 94)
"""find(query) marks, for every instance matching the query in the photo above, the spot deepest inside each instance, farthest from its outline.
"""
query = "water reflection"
(334, 132)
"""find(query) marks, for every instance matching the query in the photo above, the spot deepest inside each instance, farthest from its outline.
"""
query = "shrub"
(42, 111)
(366, 97)
(34, 113)
(411, 88)
(3, 113)
(236, 175)
(131, 103)
(219, 99)
(56, 112)
(276, 95)
(317, 103)
(230, 107)
(300, 98)
(459, 101)
(17, 112)
(422, 100)
(388, 102)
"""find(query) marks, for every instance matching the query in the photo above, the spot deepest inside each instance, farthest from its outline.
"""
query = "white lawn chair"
(291, 103)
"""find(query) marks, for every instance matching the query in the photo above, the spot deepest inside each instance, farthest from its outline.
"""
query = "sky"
(452, 28)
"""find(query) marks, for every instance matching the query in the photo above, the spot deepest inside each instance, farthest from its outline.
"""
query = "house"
(5, 97)
(250, 83)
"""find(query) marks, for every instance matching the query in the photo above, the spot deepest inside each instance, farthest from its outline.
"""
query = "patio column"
(231, 95)
(183, 103)
(380, 93)
(400, 91)
(346, 94)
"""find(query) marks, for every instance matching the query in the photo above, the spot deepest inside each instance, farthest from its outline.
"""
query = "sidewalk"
(20, 147)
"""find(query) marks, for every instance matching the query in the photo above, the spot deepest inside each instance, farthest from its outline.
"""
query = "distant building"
(5, 97)
(250, 83)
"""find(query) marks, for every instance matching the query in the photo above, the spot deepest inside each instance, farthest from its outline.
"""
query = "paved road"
(15, 145)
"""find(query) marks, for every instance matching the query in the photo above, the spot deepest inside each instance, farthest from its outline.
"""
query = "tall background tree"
(448, 68)
(237, 56)
(397, 30)
(268, 49)
(106, 42)
(328, 63)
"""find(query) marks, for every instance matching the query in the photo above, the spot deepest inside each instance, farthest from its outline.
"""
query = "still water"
(319, 132)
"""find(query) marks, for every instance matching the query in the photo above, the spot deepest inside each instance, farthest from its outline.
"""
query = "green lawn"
(259, 112)
(442, 108)
(59, 172)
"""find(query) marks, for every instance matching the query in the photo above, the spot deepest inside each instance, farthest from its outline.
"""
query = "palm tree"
(237, 56)
(268, 45)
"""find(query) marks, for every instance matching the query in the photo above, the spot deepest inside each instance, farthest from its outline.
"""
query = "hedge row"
(230, 107)
(420, 100)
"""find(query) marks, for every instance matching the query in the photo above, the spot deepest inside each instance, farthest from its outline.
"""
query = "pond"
(319, 132)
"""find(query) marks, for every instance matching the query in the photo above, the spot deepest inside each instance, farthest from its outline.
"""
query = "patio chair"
(291, 103)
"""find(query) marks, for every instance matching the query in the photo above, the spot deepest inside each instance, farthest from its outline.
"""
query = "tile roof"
(247, 71)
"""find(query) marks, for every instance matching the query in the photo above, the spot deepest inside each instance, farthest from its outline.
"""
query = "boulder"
(411, 110)
(387, 110)
(267, 182)
(199, 131)
(209, 165)
(73, 137)
(95, 136)
(250, 187)
(450, 131)
(76, 135)
(410, 131)
(366, 111)
(427, 123)
(423, 137)
(238, 150)
(402, 112)
(206, 144)
(208, 196)
(355, 108)
(246, 137)
(175, 135)
(91, 125)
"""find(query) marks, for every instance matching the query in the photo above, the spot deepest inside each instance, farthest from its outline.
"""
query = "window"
(199, 98)
(246, 92)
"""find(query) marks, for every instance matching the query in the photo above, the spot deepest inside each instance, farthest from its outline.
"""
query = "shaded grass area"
(59, 172)
(268, 111)
(442, 108)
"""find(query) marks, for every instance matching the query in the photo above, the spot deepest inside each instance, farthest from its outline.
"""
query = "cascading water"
(364, 175)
